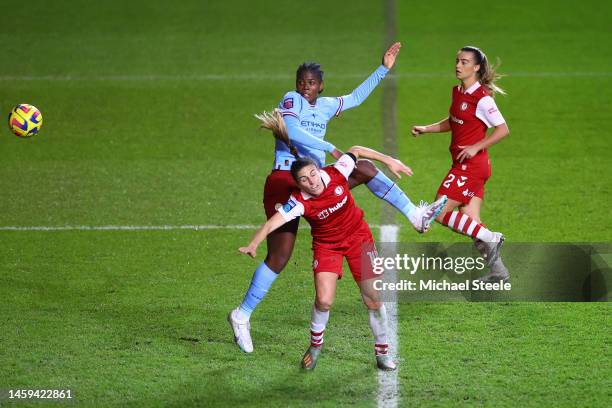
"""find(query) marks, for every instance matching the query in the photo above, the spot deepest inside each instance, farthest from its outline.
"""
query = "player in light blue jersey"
(306, 116)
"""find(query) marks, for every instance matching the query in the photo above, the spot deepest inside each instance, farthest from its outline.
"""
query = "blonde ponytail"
(274, 121)
(487, 74)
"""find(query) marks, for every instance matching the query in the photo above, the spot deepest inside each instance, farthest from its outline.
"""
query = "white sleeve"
(345, 165)
(292, 209)
(487, 111)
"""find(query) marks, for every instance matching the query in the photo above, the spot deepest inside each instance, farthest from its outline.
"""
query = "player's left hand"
(389, 56)
(397, 167)
(467, 153)
(249, 250)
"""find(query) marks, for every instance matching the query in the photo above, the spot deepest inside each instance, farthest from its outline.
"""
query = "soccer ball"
(25, 120)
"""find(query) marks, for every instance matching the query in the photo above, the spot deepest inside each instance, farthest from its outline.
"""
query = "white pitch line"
(137, 227)
(268, 77)
(388, 381)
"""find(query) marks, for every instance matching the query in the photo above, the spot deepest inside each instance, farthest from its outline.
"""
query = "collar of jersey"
(326, 179)
(471, 89)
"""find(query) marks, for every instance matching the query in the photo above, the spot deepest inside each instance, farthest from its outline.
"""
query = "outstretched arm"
(286, 128)
(301, 137)
(273, 223)
(364, 90)
(395, 166)
(438, 127)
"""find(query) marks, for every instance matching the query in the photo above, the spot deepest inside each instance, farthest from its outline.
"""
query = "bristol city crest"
(338, 191)
(464, 106)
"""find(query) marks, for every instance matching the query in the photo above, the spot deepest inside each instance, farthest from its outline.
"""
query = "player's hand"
(249, 250)
(467, 153)
(418, 130)
(389, 56)
(397, 167)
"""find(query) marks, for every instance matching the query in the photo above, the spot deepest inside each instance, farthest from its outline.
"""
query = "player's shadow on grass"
(256, 385)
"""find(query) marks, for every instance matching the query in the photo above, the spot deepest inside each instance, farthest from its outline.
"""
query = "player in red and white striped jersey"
(338, 231)
(472, 112)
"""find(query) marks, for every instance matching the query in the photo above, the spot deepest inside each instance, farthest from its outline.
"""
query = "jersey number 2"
(449, 180)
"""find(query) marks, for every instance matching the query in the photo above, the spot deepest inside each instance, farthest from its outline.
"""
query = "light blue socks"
(383, 187)
(260, 283)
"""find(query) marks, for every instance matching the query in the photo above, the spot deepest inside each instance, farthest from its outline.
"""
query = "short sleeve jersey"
(332, 215)
(471, 113)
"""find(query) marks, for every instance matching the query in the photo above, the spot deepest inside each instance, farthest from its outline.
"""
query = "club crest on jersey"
(338, 191)
(288, 103)
(464, 106)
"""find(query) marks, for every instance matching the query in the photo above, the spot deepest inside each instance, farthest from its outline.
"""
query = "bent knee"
(372, 304)
(323, 304)
(278, 261)
(474, 215)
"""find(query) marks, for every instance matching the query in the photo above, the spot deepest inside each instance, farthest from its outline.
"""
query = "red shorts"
(277, 190)
(461, 185)
(358, 249)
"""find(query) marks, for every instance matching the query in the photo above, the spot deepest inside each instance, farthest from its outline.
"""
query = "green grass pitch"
(147, 112)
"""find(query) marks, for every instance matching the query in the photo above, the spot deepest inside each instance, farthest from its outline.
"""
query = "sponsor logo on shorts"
(288, 103)
(461, 181)
(338, 191)
(468, 193)
(464, 106)
(315, 263)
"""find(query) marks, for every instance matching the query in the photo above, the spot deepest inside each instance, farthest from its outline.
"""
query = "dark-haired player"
(472, 111)
(306, 116)
(338, 231)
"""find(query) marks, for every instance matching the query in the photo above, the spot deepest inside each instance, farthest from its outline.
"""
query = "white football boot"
(423, 215)
(490, 250)
(242, 331)
(385, 363)
(309, 361)
(498, 273)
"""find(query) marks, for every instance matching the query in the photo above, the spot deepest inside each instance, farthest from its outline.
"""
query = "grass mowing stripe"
(140, 227)
(265, 77)
(388, 382)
